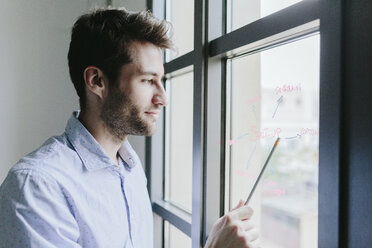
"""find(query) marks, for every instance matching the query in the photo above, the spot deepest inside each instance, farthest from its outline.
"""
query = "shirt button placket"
(129, 212)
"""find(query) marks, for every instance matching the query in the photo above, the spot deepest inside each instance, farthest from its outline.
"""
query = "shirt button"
(132, 161)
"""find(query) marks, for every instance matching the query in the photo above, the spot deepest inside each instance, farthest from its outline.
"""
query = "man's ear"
(95, 81)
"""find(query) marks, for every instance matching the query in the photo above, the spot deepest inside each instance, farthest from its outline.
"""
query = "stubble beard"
(122, 117)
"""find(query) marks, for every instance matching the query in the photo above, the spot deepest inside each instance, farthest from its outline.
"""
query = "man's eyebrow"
(152, 73)
(149, 73)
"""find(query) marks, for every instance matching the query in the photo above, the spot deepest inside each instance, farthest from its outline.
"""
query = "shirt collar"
(90, 151)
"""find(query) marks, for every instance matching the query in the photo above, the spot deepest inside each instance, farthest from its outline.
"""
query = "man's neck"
(93, 123)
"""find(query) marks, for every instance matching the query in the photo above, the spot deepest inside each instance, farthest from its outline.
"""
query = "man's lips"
(154, 114)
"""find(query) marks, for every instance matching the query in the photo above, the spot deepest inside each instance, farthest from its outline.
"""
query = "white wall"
(132, 5)
(37, 96)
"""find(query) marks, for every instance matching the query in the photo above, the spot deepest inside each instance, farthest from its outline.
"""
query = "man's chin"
(151, 130)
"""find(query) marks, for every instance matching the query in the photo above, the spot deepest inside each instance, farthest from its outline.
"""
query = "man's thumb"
(240, 204)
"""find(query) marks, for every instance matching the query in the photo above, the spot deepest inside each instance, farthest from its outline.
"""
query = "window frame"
(212, 47)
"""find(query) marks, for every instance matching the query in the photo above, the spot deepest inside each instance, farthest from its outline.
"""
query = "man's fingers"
(252, 235)
(247, 225)
(242, 213)
(255, 244)
(240, 204)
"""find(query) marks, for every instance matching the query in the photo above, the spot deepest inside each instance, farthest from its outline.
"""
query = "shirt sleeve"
(34, 212)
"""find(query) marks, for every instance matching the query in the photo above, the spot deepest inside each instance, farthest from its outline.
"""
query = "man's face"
(135, 105)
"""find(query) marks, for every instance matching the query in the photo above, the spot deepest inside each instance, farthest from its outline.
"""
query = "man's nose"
(160, 97)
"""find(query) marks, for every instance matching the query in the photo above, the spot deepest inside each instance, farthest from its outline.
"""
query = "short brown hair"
(101, 38)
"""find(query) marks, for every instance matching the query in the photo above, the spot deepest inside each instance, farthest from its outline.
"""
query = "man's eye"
(150, 81)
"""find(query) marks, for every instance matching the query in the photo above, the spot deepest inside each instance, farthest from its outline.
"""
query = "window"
(174, 237)
(255, 77)
(181, 14)
(242, 12)
(178, 141)
(275, 93)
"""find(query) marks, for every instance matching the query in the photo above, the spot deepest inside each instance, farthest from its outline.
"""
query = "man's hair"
(102, 37)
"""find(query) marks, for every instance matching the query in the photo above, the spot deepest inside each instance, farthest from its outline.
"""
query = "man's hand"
(235, 230)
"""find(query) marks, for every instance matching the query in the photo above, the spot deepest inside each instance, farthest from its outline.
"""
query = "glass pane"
(181, 14)
(174, 237)
(179, 133)
(275, 93)
(243, 12)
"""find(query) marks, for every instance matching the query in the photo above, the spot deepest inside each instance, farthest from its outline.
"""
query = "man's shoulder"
(55, 155)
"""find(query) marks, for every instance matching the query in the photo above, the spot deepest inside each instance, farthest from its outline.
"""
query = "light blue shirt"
(69, 193)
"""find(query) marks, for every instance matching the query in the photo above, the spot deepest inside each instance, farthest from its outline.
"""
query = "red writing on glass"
(265, 133)
(279, 192)
(309, 131)
(287, 88)
(253, 100)
(268, 185)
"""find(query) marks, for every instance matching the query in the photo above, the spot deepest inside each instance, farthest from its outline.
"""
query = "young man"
(86, 187)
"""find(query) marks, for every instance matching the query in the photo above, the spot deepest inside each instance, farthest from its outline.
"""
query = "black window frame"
(211, 48)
